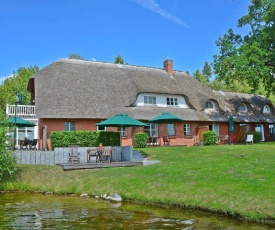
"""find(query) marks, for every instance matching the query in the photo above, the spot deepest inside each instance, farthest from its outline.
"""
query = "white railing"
(21, 110)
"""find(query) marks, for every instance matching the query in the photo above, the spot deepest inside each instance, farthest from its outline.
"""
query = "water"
(37, 211)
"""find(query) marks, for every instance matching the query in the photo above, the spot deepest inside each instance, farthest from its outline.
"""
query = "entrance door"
(260, 128)
(272, 132)
(215, 128)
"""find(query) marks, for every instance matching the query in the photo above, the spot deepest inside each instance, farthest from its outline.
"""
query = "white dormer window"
(242, 108)
(161, 100)
(209, 105)
(266, 109)
(150, 100)
(172, 101)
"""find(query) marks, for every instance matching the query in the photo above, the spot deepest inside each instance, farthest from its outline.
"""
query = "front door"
(272, 132)
(260, 128)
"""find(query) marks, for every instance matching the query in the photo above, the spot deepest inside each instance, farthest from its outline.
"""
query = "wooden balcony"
(21, 110)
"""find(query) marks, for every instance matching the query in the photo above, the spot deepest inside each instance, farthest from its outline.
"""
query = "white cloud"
(153, 6)
(4, 77)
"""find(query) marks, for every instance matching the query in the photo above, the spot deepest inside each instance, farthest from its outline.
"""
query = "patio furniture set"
(27, 144)
(101, 155)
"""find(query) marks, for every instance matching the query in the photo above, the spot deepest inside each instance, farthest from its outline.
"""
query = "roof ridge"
(77, 61)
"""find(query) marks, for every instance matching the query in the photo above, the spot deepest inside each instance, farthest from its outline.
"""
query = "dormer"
(210, 105)
(242, 108)
(266, 109)
(161, 100)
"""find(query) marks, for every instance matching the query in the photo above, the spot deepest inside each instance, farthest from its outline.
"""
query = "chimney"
(168, 67)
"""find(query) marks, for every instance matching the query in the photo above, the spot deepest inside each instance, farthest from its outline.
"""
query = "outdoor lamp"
(18, 101)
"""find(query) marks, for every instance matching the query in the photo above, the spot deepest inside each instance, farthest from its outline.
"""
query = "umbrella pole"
(120, 146)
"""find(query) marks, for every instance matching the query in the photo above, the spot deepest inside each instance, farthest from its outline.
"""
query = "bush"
(7, 160)
(257, 136)
(140, 140)
(84, 138)
(209, 137)
(7, 163)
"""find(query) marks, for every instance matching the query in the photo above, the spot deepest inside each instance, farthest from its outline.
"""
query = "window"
(150, 100)
(246, 127)
(215, 128)
(210, 105)
(101, 128)
(122, 131)
(152, 130)
(242, 108)
(171, 130)
(266, 109)
(172, 101)
(69, 126)
(187, 129)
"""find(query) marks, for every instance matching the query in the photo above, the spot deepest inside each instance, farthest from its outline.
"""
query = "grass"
(236, 180)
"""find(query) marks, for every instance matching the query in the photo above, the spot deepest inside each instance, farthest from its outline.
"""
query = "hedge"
(84, 138)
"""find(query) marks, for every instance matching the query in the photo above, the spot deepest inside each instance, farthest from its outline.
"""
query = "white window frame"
(171, 129)
(123, 131)
(215, 128)
(101, 129)
(242, 108)
(266, 109)
(152, 130)
(209, 105)
(150, 100)
(69, 126)
(187, 129)
(172, 101)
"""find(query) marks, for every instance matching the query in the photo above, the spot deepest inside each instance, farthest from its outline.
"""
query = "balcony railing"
(21, 110)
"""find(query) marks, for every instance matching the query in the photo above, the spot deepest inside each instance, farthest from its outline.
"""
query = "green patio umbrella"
(19, 122)
(231, 123)
(231, 126)
(121, 120)
(165, 117)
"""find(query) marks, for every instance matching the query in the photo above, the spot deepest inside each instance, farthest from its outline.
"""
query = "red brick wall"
(88, 124)
(84, 125)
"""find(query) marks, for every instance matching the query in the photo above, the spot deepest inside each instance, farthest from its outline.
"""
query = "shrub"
(209, 137)
(140, 140)
(257, 136)
(7, 163)
(7, 160)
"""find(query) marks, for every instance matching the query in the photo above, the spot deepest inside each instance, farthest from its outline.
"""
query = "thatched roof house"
(71, 88)
(77, 89)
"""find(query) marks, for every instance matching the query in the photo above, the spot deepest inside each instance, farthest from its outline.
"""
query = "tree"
(200, 77)
(75, 56)
(207, 71)
(119, 60)
(250, 57)
(14, 84)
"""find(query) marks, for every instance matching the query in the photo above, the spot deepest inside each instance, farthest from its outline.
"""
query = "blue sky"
(143, 32)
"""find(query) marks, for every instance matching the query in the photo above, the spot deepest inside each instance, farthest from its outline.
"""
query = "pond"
(38, 211)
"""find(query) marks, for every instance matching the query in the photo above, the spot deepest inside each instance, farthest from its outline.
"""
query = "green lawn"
(234, 179)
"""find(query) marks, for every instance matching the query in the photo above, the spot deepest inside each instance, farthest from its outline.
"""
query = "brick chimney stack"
(168, 67)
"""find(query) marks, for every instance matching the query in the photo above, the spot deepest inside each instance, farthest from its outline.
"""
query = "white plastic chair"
(249, 139)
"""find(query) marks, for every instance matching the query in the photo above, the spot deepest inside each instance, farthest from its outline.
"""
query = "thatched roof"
(254, 104)
(71, 88)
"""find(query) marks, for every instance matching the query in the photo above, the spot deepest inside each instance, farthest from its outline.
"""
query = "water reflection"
(36, 211)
